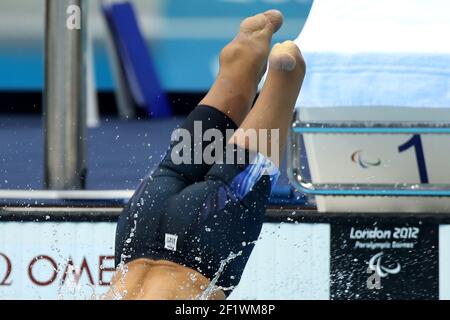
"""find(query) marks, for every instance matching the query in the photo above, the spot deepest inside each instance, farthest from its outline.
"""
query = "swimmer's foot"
(251, 46)
(276, 102)
(242, 64)
(284, 57)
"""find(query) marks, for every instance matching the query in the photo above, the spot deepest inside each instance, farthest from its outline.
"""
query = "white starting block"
(374, 111)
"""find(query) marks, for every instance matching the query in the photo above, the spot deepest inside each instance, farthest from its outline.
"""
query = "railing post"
(64, 99)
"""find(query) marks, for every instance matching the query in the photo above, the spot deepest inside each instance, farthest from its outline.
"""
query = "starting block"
(373, 116)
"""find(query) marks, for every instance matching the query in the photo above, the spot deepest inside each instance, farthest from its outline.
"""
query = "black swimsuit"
(199, 215)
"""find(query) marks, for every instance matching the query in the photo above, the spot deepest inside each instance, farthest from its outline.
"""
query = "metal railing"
(295, 163)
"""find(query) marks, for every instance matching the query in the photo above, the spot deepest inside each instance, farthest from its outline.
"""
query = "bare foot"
(284, 56)
(252, 43)
(242, 64)
(275, 104)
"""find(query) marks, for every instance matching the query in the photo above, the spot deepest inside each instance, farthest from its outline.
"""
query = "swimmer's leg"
(275, 104)
(242, 64)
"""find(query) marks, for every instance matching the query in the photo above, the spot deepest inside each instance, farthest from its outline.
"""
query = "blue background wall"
(183, 63)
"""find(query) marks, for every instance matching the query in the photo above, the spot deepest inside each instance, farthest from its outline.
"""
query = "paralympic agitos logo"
(358, 158)
(376, 264)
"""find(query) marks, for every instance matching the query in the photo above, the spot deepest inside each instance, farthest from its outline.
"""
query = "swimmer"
(189, 227)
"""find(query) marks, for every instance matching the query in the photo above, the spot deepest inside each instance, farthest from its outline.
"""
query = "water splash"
(122, 267)
(70, 287)
(212, 287)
